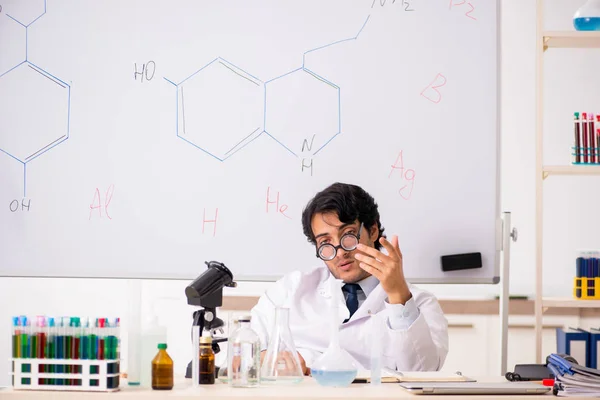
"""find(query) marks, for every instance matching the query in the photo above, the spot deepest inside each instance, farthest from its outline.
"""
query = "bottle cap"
(162, 346)
(245, 318)
(205, 340)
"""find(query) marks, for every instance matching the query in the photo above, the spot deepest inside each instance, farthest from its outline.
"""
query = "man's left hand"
(387, 268)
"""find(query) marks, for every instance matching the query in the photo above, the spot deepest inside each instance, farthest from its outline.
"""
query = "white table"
(309, 389)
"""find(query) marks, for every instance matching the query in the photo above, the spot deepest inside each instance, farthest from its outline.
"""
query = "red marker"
(585, 136)
(548, 382)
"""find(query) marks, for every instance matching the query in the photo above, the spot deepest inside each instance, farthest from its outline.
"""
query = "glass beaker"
(587, 17)
(335, 367)
(281, 364)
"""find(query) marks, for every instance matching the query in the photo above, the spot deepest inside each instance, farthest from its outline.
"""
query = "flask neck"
(591, 5)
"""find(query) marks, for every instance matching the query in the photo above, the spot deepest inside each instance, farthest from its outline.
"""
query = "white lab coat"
(421, 347)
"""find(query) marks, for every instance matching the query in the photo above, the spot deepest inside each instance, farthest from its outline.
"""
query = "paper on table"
(388, 376)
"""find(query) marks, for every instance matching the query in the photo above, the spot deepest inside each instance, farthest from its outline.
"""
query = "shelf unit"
(570, 40)
(547, 40)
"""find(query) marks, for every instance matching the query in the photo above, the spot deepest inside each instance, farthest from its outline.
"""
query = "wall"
(109, 297)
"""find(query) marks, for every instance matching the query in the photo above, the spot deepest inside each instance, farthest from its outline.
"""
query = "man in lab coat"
(343, 223)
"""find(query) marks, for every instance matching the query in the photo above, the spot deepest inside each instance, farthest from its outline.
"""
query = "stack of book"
(572, 379)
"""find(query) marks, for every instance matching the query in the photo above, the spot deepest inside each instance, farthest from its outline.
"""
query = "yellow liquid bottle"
(162, 369)
(207, 362)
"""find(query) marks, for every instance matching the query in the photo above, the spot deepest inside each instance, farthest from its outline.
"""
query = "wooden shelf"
(566, 302)
(570, 170)
(571, 39)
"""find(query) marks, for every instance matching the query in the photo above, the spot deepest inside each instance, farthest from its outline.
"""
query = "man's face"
(327, 228)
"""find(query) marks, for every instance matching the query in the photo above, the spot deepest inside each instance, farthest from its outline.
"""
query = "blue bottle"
(587, 18)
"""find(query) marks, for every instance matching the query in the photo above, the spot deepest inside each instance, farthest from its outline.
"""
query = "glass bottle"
(222, 374)
(587, 17)
(162, 369)
(244, 358)
(281, 364)
(207, 361)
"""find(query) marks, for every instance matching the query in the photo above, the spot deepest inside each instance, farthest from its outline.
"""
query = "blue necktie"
(351, 290)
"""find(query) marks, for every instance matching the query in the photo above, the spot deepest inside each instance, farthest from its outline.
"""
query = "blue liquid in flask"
(334, 378)
(587, 23)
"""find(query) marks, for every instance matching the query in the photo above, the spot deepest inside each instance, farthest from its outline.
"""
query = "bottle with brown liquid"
(207, 361)
(162, 369)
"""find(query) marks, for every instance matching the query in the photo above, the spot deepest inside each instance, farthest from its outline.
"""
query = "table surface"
(308, 389)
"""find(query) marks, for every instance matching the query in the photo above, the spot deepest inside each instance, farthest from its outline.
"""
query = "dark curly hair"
(349, 202)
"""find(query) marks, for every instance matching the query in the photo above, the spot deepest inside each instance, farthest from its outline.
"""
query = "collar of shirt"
(368, 284)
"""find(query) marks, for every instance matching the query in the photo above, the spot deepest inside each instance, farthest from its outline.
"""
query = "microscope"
(206, 291)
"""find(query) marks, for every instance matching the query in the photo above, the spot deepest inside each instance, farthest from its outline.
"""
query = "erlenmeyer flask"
(335, 367)
(587, 17)
(281, 364)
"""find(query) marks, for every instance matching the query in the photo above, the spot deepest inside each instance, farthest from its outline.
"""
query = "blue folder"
(593, 350)
(574, 342)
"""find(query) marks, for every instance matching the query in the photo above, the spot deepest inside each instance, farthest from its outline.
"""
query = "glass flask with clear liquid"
(281, 364)
(335, 367)
(587, 17)
(244, 358)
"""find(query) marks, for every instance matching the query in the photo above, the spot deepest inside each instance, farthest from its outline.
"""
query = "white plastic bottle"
(152, 334)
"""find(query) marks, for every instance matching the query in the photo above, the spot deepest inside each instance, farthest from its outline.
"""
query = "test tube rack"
(90, 376)
(587, 288)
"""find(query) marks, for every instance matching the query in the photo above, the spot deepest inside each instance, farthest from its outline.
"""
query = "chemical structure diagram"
(34, 106)
(221, 108)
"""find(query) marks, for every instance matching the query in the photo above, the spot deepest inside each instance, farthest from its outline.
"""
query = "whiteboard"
(141, 138)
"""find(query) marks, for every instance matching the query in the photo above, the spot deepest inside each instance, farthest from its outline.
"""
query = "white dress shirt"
(414, 338)
(401, 316)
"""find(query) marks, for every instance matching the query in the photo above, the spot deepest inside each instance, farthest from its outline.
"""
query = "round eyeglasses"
(348, 242)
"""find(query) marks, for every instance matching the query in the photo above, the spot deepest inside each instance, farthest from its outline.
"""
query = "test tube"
(94, 340)
(112, 339)
(85, 339)
(16, 342)
(101, 338)
(196, 356)
(51, 347)
(24, 337)
(26, 340)
(76, 344)
(118, 339)
(41, 344)
(376, 349)
(16, 338)
(33, 338)
(68, 323)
